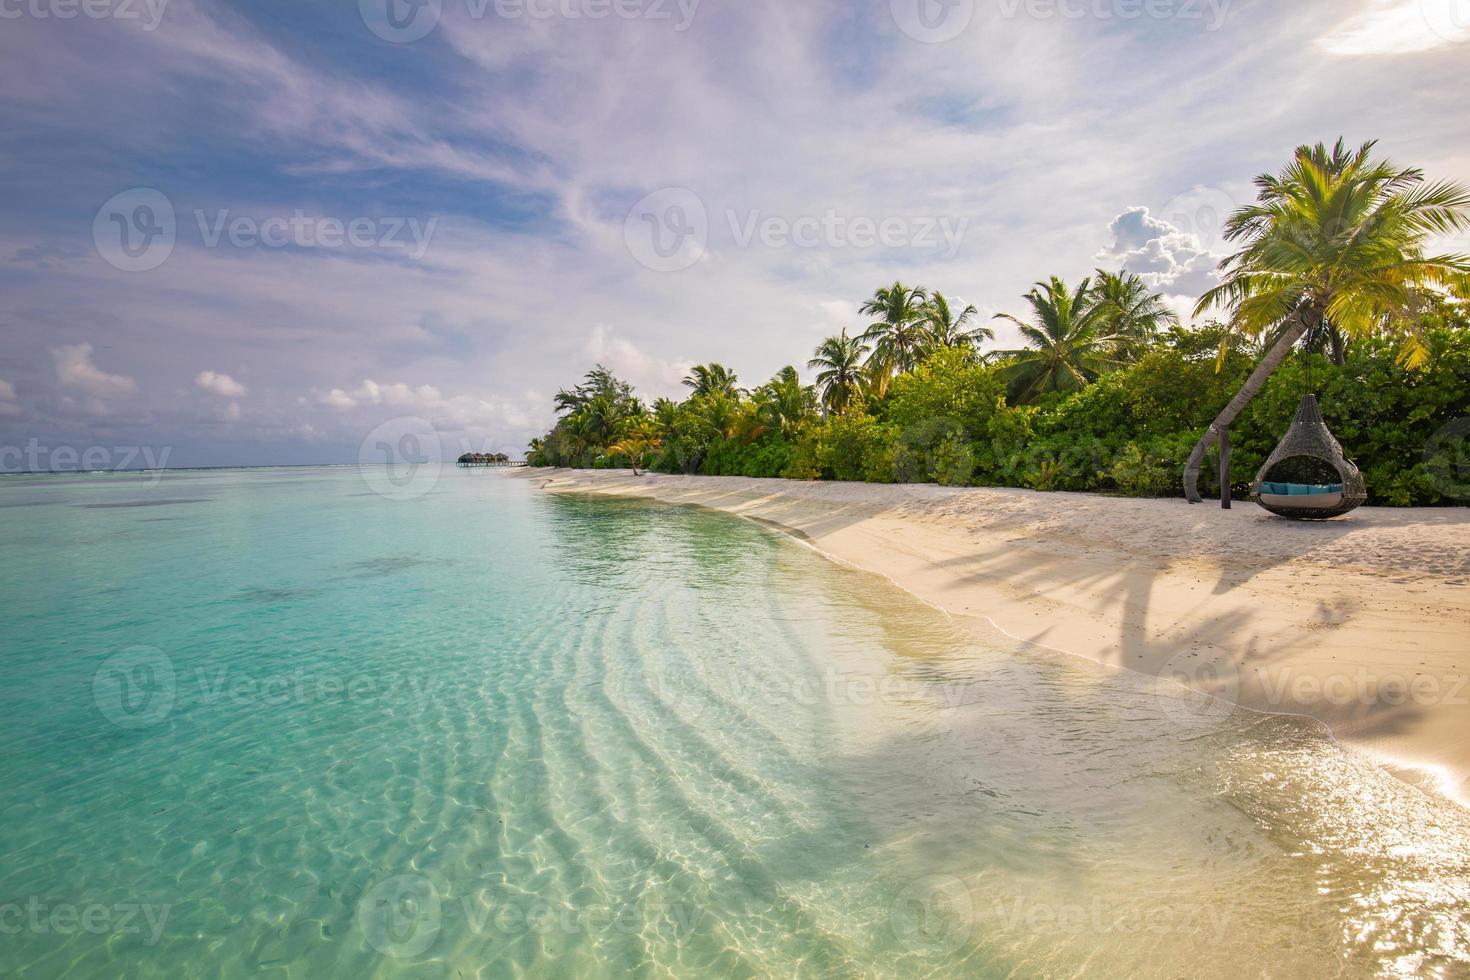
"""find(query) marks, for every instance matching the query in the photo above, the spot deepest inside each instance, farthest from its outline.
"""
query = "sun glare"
(1402, 27)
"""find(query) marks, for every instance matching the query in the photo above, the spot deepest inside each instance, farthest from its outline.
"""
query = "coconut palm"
(898, 337)
(839, 365)
(1067, 341)
(783, 402)
(711, 379)
(639, 440)
(945, 329)
(1335, 241)
(666, 417)
(1130, 311)
(718, 415)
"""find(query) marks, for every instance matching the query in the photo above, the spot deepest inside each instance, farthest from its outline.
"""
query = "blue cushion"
(1300, 489)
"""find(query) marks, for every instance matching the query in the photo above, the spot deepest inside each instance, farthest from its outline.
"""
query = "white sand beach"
(1362, 622)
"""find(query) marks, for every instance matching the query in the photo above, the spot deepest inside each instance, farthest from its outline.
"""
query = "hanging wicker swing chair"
(1310, 438)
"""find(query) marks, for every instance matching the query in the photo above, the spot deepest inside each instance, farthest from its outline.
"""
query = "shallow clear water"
(272, 723)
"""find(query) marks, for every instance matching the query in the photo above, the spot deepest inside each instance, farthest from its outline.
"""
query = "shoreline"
(1361, 623)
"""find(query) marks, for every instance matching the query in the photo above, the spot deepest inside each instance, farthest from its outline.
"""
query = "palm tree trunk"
(1339, 346)
(1249, 390)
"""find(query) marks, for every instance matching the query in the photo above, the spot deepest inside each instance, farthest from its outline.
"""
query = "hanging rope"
(1311, 390)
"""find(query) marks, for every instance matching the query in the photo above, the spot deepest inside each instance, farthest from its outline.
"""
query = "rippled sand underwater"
(273, 724)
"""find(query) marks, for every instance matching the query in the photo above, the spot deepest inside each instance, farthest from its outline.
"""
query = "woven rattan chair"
(1310, 437)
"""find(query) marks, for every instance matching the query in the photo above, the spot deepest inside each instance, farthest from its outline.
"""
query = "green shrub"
(954, 461)
(1137, 473)
(949, 386)
(1130, 431)
(881, 461)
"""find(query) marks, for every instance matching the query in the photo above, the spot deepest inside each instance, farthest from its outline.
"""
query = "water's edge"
(1421, 774)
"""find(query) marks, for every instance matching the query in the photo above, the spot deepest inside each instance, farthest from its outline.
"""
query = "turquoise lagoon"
(277, 723)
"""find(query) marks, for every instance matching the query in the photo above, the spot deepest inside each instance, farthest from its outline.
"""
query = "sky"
(281, 231)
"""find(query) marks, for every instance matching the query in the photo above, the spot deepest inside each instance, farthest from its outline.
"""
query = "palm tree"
(639, 439)
(783, 402)
(838, 362)
(718, 414)
(898, 336)
(711, 379)
(1335, 241)
(944, 329)
(666, 417)
(1130, 311)
(1067, 342)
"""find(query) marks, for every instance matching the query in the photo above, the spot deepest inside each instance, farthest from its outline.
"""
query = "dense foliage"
(1109, 392)
(952, 420)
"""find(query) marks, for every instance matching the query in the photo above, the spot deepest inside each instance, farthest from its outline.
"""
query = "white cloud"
(1006, 126)
(219, 384)
(449, 414)
(337, 398)
(1395, 27)
(7, 391)
(1168, 259)
(398, 395)
(74, 369)
(650, 374)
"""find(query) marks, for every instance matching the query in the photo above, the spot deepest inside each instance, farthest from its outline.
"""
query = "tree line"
(1108, 390)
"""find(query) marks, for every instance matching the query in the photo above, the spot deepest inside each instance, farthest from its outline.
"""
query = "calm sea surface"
(275, 723)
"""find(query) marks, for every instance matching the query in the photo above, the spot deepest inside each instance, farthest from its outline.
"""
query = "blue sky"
(449, 218)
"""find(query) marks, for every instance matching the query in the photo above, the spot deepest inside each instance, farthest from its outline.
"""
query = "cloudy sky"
(253, 232)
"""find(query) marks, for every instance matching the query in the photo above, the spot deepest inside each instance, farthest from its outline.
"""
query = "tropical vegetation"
(1334, 289)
